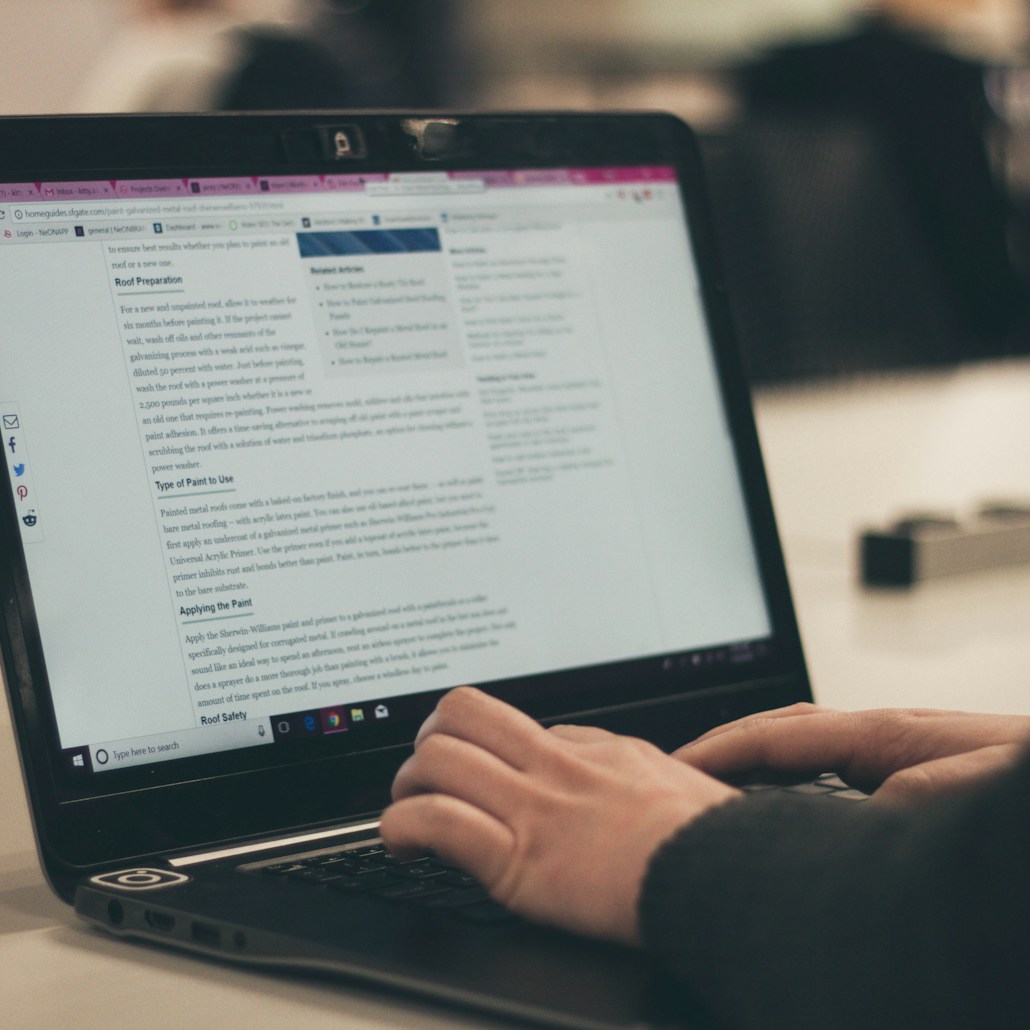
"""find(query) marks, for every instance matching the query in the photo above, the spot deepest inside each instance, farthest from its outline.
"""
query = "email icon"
(11, 422)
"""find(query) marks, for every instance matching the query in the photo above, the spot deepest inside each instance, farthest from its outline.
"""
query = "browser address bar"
(74, 213)
(105, 212)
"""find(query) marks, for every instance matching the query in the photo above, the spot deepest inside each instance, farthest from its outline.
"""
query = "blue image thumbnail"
(367, 241)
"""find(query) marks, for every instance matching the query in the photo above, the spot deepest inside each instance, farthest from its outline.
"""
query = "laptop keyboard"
(371, 870)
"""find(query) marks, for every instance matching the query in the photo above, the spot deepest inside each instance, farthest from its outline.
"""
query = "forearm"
(798, 912)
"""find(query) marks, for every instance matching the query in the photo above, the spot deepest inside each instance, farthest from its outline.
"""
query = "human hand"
(898, 753)
(559, 825)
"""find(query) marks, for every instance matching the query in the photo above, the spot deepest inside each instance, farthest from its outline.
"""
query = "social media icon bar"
(12, 426)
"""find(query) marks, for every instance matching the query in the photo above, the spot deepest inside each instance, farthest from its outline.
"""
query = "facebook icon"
(10, 443)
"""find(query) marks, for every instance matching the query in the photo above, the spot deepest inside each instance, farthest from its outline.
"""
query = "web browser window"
(308, 445)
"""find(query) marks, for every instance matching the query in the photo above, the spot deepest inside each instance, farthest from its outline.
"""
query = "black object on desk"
(924, 547)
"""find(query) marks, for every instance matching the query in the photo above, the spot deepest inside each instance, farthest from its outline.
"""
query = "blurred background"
(869, 162)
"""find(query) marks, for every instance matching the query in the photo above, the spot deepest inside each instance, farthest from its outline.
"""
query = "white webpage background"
(641, 549)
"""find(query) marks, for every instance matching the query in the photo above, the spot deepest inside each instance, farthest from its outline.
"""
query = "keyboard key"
(458, 897)
(369, 851)
(484, 912)
(281, 868)
(370, 881)
(334, 861)
(314, 874)
(423, 870)
(458, 878)
(410, 890)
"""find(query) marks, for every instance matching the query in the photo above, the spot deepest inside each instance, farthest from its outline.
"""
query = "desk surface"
(840, 457)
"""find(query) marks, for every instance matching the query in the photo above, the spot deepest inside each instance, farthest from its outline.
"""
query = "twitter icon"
(19, 470)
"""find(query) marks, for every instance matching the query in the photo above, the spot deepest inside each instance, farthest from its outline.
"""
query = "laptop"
(308, 418)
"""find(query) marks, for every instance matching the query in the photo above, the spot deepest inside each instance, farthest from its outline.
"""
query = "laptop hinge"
(271, 845)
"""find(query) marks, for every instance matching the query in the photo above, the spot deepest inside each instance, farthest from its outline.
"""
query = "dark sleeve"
(788, 911)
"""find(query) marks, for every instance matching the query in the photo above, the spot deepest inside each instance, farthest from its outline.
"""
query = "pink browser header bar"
(256, 185)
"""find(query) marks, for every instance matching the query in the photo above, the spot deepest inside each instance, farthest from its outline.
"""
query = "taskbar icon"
(326, 721)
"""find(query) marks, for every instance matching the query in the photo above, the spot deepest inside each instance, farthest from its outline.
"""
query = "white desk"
(856, 455)
(839, 457)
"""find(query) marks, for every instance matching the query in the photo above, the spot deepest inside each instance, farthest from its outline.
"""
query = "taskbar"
(227, 731)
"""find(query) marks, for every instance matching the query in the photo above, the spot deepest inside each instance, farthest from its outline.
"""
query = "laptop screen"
(291, 455)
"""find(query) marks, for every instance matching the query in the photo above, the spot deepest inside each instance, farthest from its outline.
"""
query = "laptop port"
(204, 933)
(159, 921)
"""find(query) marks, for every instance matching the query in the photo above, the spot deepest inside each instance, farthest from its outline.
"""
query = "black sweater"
(790, 911)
